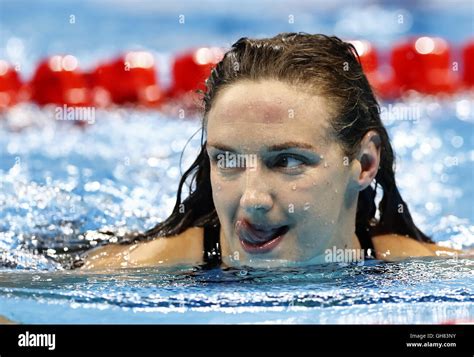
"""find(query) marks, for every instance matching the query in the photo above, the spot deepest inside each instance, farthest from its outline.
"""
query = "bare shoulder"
(394, 247)
(5, 321)
(184, 248)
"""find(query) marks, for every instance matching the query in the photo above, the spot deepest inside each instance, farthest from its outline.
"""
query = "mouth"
(259, 239)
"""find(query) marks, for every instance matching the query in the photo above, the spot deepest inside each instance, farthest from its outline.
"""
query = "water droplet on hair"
(243, 272)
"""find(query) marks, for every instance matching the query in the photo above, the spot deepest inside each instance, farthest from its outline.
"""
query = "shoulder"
(5, 321)
(394, 247)
(184, 248)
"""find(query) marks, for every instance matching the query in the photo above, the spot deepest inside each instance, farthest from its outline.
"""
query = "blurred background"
(134, 67)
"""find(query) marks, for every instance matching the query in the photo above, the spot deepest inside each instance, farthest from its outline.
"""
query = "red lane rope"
(423, 64)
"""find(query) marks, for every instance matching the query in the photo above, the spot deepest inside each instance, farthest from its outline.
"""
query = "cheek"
(318, 201)
(317, 197)
(224, 193)
(217, 192)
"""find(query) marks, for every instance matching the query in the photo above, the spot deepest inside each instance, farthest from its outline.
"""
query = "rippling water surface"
(413, 291)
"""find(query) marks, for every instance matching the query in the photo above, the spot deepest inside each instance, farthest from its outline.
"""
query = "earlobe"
(369, 158)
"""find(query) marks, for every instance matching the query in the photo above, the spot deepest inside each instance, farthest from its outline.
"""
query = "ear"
(369, 158)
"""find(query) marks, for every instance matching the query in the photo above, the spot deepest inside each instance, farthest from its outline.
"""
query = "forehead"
(272, 105)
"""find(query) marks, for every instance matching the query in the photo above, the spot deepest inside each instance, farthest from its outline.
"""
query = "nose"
(256, 196)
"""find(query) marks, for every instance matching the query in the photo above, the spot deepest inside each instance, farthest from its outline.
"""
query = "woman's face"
(282, 187)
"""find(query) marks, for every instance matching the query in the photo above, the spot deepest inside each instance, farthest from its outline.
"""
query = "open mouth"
(259, 240)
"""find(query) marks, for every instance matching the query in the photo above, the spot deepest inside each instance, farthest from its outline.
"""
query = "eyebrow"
(278, 147)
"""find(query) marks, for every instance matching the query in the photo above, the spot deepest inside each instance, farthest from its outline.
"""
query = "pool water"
(413, 291)
(59, 181)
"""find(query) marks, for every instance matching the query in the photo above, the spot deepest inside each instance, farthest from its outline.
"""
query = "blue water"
(415, 291)
(59, 181)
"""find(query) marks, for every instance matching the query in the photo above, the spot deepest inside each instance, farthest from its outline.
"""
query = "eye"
(288, 162)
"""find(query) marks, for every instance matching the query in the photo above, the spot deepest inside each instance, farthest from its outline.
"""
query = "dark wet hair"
(332, 68)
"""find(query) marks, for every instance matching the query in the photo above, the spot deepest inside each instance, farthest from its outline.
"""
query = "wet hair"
(332, 68)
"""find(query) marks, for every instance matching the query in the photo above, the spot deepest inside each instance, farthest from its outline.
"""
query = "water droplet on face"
(293, 187)
(243, 272)
(306, 206)
(325, 164)
(335, 190)
(314, 183)
(219, 187)
(322, 157)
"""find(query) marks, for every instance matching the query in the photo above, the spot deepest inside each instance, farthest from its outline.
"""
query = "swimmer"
(293, 151)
